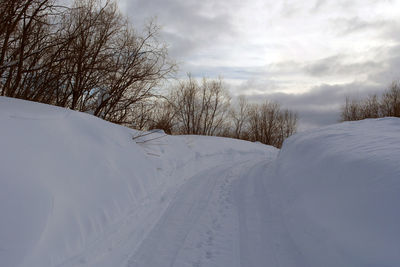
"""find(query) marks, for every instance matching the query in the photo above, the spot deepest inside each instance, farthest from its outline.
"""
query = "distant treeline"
(88, 57)
(386, 105)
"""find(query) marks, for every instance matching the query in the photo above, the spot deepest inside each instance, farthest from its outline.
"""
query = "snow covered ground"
(79, 191)
(339, 189)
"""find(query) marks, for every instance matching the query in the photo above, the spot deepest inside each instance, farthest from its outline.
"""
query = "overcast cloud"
(308, 55)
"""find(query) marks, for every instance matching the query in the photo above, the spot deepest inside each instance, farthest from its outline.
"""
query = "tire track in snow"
(164, 242)
(264, 238)
(207, 220)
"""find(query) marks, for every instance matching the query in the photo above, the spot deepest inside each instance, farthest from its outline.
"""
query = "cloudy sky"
(308, 55)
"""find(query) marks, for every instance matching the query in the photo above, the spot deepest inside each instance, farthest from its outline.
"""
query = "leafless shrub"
(351, 110)
(239, 115)
(163, 116)
(288, 125)
(270, 125)
(200, 108)
(390, 102)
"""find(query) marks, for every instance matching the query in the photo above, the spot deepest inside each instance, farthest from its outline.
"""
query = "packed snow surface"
(78, 191)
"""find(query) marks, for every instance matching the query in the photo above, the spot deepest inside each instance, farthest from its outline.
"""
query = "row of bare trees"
(85, 57)
(387, 105)
(205, 108)
(266, 123)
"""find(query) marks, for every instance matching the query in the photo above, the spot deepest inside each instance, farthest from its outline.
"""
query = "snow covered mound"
(339, 189)
(76, 190)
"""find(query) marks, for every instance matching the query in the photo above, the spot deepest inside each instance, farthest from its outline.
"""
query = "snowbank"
(339, 188)
(74, 188)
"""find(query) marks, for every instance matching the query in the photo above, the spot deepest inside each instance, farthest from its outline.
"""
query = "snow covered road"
(264, 239)
(219, 217)
(79, 191)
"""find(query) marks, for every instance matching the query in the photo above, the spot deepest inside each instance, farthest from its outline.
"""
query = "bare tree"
(163, 116)
(288, 125)
(390, 103)
(201, 108)
(139, 67)
(269, 125)
(86, 57)
(264, 123)
(25, 37)
(114, 70)
(239, 116)
(351, 110)
(370, 107)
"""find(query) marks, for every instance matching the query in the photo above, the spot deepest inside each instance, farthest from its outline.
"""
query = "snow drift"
(75, 188)
(339, 188)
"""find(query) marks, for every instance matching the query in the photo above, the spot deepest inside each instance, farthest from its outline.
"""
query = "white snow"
(78, 191)
(339, 188)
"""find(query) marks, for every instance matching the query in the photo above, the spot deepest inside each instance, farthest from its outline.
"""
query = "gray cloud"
(391, 33)
(321, 97)
(179, 46)
(351, 5)
(207, 37)
(227, 72)
(321, 105)
(335, 65)
(345, 25)
(319, 4)
(290, 8)
(390, 70)
(388, 74)
(329, 66)
(187, 26)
